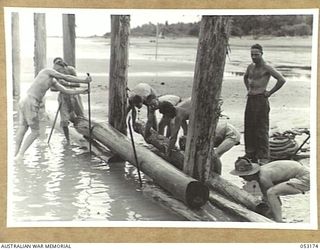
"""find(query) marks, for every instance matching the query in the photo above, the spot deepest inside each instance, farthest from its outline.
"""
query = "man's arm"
(68, 78)
(245, 78)
(69, 84)
(280, 80)
(150, 122)
(174, 135)
(265, 183)
(64, 90)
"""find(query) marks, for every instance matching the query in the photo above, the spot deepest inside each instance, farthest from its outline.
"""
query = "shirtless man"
(142, 94)
(277, 178)
(226, 137)
(165, 121)
(29, 105)
(256, 79)
(180, 114)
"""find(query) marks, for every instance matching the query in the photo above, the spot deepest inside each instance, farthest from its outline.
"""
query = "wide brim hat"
(244, 167)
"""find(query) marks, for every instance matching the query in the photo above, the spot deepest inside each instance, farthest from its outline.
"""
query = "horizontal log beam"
(192, 192)
(217, 183)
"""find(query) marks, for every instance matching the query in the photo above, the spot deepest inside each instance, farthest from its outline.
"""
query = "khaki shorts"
(29, 112)
(301, 183)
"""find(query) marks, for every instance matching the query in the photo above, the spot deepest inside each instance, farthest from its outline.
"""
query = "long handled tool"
(134, 151)
(54, 122)
(89, 114)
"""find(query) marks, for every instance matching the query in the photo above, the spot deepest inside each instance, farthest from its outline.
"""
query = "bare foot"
(18, 158)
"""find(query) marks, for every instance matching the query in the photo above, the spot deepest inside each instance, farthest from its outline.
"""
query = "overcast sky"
(97, 22)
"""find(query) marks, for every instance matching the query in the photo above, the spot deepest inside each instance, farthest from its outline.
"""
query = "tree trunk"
(15, 53)
(233, 208)
(212, 50)
(118, 77)
(184, 188)
(40, 42)
(69, 39)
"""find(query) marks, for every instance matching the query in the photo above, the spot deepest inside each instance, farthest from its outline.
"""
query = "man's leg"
(273, 194)
(225, 146)
(263, 152)
(19, 137)
(250, 130)
(66, 133)
(28, 141)
(162, 124)
(77, 105)
(64, 118)
(184, 126)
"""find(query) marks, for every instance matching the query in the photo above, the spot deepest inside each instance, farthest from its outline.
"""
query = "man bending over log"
(165, 121)
(226, 137)
(277, 178)
(180, 113)
(29, 105)
(142, 94)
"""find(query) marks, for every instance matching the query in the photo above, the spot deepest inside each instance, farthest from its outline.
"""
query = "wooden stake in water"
(89, 116)
(157, 35)
(134, 151)
(54, 122)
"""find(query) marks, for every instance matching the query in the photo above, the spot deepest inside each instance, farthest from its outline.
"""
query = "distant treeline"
(256, 26)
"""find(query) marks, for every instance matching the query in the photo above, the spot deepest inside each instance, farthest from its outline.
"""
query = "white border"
(186, 224)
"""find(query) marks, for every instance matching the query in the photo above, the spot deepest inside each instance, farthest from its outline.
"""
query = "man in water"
(70, 105)
(30, 104)
(277, 178)
(256, 127)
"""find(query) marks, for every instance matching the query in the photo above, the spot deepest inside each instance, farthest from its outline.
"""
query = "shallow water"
(64, 183)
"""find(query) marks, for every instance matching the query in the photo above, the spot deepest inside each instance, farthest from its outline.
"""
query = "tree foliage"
(242, 25)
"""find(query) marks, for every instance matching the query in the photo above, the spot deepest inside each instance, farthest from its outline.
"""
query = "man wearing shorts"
(70, 105)
(277, 178)
(226, 137)
(30, 104)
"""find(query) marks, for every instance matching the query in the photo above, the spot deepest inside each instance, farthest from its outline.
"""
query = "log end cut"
(197, 194)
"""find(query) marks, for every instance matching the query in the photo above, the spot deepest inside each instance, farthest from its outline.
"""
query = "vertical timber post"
(15, 53)
(200, 157)
(69, 39)
(118, 75)
(40, 42)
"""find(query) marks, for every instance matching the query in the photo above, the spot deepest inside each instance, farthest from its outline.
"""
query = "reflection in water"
(64, 183)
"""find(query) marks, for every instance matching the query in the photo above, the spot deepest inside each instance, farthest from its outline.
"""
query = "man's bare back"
(280, 171)
(47, 78)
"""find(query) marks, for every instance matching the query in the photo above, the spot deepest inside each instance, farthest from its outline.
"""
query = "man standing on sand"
(165, 121)
(226, 137)
(277, 178)
(256, 124)
(29, 105)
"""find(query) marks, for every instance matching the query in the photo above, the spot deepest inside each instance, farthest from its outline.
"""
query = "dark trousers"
(256, 127)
